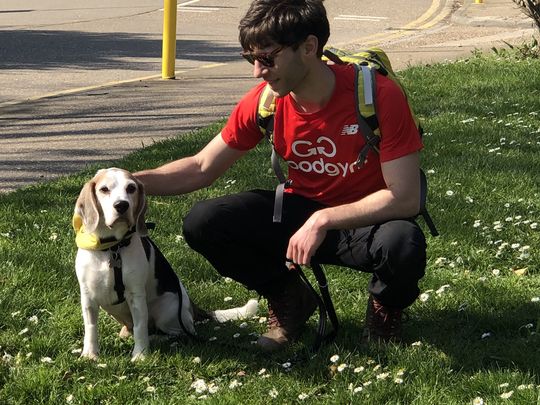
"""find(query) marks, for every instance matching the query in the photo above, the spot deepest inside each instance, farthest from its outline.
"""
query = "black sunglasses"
(264, 58)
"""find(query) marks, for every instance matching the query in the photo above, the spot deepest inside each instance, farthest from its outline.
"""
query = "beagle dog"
(122, 271)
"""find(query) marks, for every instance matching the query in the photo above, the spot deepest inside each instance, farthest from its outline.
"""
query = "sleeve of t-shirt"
(241, 131)
(399, 134)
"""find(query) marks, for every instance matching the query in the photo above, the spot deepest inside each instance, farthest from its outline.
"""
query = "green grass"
(477, 337)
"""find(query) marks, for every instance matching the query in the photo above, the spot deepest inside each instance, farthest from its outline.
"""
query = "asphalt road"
(70, 72)
(49, 46)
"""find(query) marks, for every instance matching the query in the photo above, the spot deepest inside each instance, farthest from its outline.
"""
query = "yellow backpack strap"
(366, 111)
(265, 112)
(265, 121)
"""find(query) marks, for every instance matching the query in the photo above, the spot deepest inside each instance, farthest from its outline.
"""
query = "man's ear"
(310, 46)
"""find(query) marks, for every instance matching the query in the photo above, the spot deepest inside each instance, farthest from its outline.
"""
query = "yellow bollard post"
(168, 56)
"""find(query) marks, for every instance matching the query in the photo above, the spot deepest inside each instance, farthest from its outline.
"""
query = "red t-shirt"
(321, 148)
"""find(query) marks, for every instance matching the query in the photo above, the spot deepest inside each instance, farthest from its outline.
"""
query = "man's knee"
(200, 223)
(403, 246)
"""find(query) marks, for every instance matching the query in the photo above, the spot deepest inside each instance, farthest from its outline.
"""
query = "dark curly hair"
(283, 22)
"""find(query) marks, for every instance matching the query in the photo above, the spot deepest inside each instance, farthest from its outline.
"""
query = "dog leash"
(325, 304)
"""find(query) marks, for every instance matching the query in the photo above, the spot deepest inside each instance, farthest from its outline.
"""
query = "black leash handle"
(325, 304)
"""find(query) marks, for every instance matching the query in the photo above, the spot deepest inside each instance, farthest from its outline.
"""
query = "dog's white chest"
(96, 276)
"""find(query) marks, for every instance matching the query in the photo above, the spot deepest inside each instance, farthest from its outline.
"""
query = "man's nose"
(258, 69)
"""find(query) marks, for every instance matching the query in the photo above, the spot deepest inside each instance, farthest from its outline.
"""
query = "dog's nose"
(121, 206)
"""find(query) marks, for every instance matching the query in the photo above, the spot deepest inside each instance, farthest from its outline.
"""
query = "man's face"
(281, 67)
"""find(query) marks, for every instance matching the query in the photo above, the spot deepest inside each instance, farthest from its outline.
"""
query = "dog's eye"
(131, 189)
(104, 189)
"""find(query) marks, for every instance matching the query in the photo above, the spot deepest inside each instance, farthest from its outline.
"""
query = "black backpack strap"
(423, 210)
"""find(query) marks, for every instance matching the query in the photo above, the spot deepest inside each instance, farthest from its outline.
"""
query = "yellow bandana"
(90, 241)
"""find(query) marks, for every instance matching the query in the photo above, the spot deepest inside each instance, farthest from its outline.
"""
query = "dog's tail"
(225, 315)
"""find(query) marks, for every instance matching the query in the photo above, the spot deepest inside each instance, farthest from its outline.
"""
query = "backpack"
(366, 63)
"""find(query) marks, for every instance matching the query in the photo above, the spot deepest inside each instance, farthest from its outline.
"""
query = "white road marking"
(348, 17)
(186, 8)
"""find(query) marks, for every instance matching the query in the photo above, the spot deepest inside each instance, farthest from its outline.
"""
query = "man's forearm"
(376, 208)
(178, 177)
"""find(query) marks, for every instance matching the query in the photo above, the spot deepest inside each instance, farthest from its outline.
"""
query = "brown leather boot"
(383, 324)
(288, 312)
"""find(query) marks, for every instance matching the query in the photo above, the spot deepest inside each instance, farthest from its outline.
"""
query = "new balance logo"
(350, 129)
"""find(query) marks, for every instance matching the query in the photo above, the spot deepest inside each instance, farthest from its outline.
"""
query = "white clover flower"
(496, 272)
(430, 171)
(213, 388)
(449, 193)
(398, 380)
(228, 280)
(286, 365)
(302, 396)
(69, 398)
(234, 384)
(14, 314)
(478, 401)
(150, 388)
(236, 335)
(212, 339)
(53, 236)
(7, 358)
(515, 245)
(178, 238)
(486, 335)
(417, 343)
(534, 225)
(442, 288)
(503, 385)
(226, 299)
(196, 360)
(506, 395)
(46, 360)
(102, 365)
(33, 319)
(334, 358)
(199, 385)
(273, 393)
(440, 261)
(357, 390)
(535, 299)
(359, 369)
(341, 367)
(424, 297)
(243, 325)
(469, 199)
(262, 319)
(262, 371)
(382, 376)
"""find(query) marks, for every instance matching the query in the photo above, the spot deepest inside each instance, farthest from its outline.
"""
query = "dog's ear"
(141, 209)
(87, 207)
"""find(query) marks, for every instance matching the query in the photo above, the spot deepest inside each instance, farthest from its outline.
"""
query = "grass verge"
(474, 334)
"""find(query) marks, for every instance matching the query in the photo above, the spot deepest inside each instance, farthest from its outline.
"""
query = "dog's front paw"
(138, 356)
(89, 356)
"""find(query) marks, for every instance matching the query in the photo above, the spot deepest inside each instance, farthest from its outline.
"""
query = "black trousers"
(236, 234)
